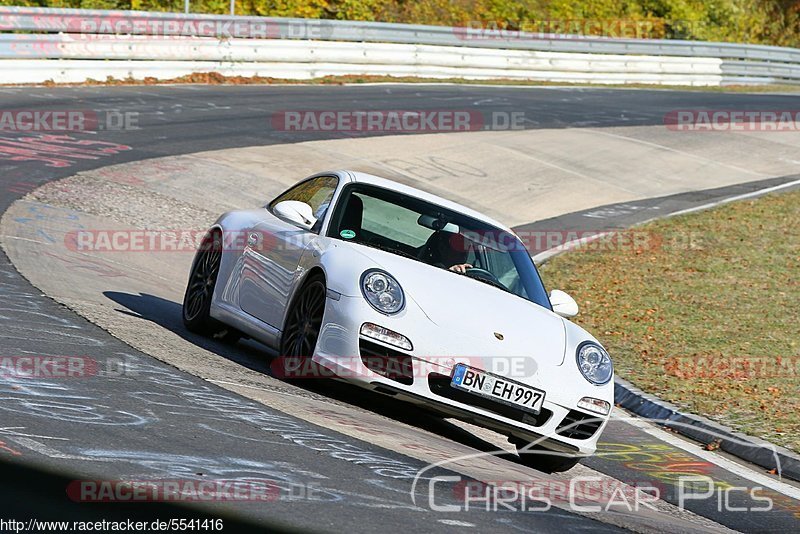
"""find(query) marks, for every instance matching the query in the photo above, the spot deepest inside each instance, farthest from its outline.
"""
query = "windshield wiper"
(490, 282)
(386, 248)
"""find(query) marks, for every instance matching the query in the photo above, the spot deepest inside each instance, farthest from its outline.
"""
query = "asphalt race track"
(158, 422)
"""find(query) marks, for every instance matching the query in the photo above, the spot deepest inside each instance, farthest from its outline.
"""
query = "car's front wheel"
(303, 323)
(200, 289)
(543, 460)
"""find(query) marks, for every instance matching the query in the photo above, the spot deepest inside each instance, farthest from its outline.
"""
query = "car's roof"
(365, 178)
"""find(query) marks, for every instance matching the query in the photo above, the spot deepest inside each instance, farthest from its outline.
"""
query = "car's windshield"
(411, 227)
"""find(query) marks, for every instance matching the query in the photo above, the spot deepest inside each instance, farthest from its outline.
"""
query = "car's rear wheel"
(542, 459)
(200, 289)
(303, 323)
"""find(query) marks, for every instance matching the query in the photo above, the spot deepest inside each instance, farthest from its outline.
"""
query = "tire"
(200, 289)
(543, 460)
(303, 323)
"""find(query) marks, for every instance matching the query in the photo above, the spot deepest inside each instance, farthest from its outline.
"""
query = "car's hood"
(473, 314)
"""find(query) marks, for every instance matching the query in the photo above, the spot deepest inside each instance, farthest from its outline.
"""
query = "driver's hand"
(461, 268)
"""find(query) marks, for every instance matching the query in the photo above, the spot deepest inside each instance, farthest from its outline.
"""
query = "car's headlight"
(594, 363)
(382, 291)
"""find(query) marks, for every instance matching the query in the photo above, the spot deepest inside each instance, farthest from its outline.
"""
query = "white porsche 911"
(412, 296)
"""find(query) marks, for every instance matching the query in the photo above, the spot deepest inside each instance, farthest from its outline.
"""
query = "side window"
(316, 192)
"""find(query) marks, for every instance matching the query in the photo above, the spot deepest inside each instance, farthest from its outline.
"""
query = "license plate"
(500, 389)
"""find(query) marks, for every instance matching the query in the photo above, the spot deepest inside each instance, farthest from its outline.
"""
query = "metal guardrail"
(49, 30)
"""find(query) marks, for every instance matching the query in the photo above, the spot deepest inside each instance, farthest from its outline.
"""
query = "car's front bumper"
(340, 349)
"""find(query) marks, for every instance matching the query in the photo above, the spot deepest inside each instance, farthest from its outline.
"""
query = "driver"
(448, 251)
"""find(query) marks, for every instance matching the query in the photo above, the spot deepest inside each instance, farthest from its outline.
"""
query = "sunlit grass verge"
(705, 314)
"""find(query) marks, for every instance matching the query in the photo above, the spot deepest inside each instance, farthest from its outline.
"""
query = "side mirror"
(295, 212)
(563, 304)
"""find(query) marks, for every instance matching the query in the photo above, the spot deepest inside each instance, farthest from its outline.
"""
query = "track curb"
(749, 448)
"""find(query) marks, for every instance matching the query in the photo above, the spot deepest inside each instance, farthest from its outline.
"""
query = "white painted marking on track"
(569, 245)
(547, 254)
(711, 457)
(456, 523)
(25, 239)
(50, 452)
(15, 432)
(735, 198)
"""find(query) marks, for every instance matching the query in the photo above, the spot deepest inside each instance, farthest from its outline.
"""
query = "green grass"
(706, 314)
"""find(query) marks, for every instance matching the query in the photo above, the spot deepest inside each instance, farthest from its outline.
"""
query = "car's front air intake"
(579, 425)
(387, 362)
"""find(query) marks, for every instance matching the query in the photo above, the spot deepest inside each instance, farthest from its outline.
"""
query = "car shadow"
(257, 357)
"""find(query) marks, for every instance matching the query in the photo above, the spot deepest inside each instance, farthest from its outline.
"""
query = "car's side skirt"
(249, 325)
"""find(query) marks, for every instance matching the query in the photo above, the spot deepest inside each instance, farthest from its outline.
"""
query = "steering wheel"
(477, 272)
